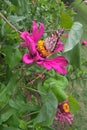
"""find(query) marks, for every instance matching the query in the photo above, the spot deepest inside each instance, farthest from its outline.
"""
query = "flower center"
(66, 107)
(41, 49)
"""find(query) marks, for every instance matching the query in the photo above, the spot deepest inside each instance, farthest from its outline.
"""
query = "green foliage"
(74, 36)
(48, 110)
(29, 95)
(59, 80)
(57, 85)
(74, 56)
(72, 46)
(74, 106)
(65, 20)
(12, 56)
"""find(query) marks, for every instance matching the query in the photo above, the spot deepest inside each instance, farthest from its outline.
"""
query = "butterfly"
(52, 41)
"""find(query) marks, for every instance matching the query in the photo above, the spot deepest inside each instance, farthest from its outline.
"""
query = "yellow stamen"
(66, 107)
(42, 50)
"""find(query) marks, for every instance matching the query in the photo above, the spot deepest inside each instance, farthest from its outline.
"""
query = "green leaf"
(10, 128)
(22, 106)
(23, 124)
(62, 81)
(6, 91)
(74, 36)
(12, 56)
(6, 115)
(59, 93)
(15, 19)
(14, 120)
(74, 106)
(65, 20)
(74, 56)
(59, 81)
(57, 85)
(48, 110)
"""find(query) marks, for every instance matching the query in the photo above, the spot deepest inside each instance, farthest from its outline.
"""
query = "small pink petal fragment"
(84, 42)
(66, 35)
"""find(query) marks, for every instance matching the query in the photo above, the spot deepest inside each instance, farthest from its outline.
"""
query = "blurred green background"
(80, 86)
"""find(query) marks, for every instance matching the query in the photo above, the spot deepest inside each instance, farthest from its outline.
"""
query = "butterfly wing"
(51, 41)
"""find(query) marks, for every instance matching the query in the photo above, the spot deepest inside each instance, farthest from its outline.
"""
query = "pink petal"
(29, 42)
(27, 59)
(57, 64)
(60, 47)
(60, 70)
(84, 42)
(37, 33)
(32, 46)
(55, 118)
(39, 58)
(41, 30)
(24, 35)
(69, 118)
(45, 64)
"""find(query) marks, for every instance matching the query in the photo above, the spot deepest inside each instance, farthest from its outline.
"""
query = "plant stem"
(29, 114)
(48, 31)
(31, 82)
(8, 22)
(36, 91)
(12, 26)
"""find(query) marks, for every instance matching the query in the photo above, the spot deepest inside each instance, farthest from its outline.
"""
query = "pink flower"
(63, 113)
(38, 52)
(84, 42)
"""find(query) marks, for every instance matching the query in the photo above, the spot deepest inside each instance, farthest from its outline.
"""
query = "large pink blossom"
(30, 41)
(63, 113)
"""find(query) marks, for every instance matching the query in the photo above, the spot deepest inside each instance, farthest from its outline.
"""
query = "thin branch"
(32, 81)
(8, 22)
(12, 26)
(56, 1)
(30, 114)
(49, 31)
